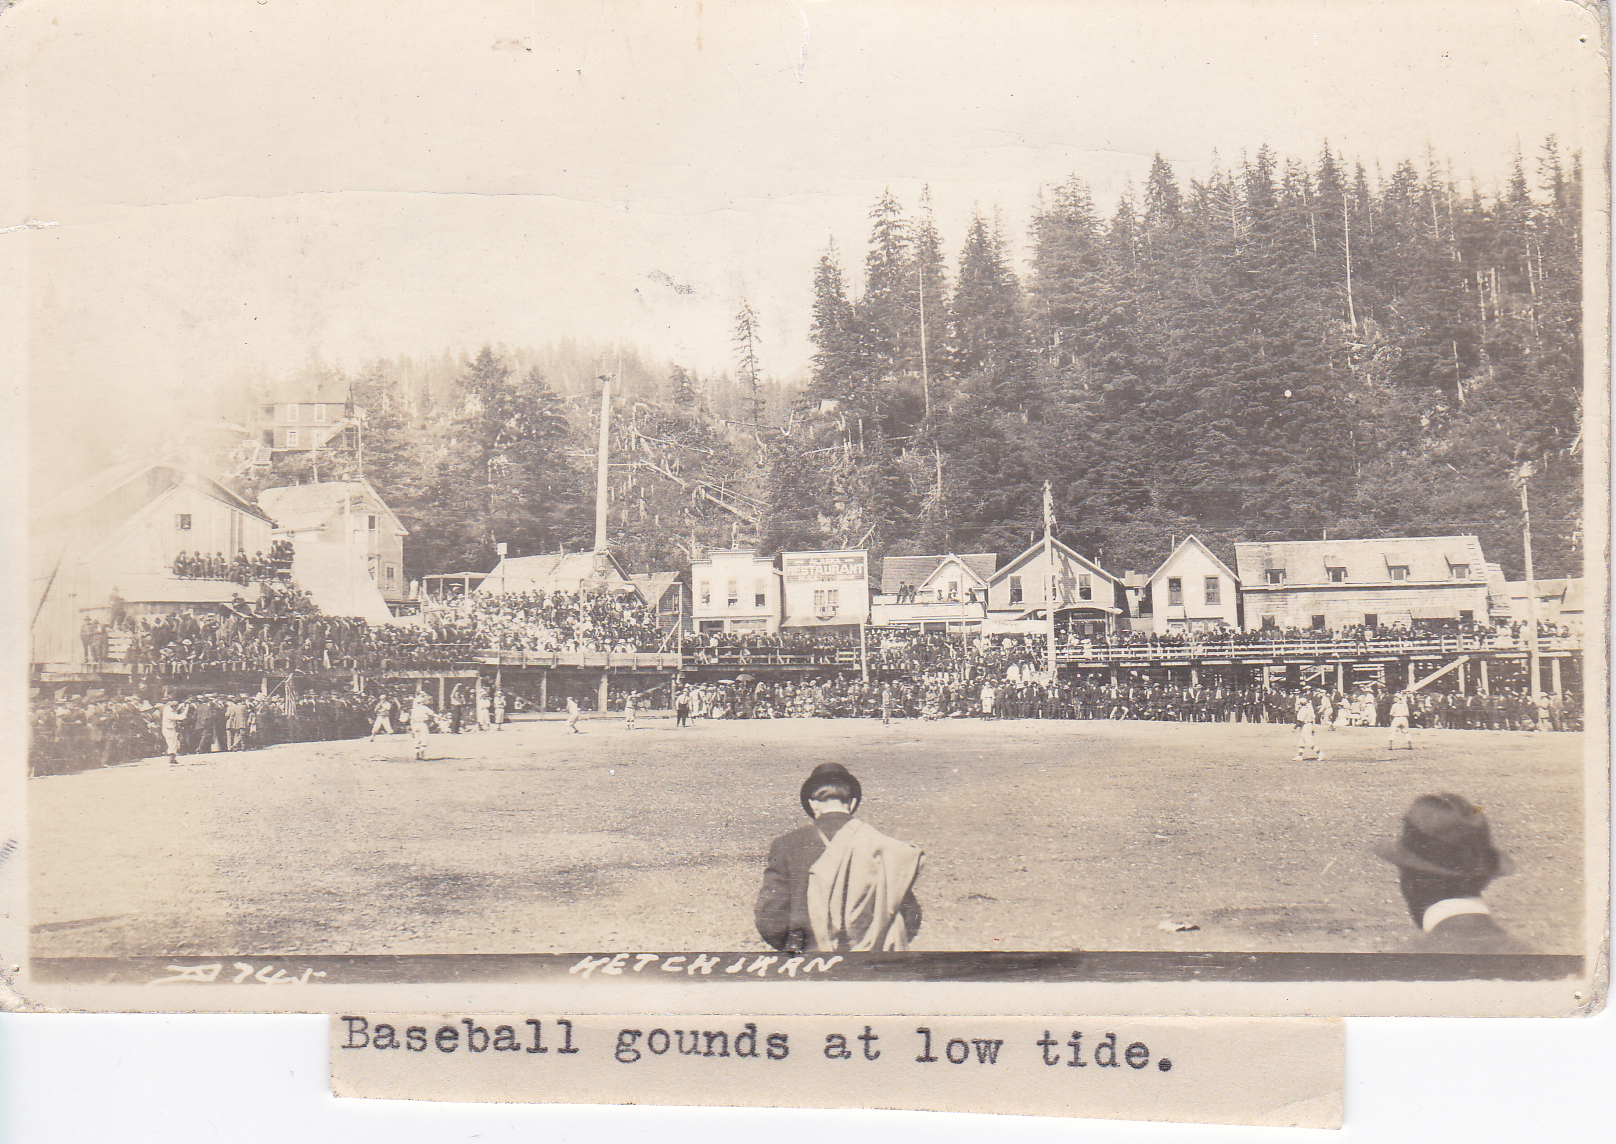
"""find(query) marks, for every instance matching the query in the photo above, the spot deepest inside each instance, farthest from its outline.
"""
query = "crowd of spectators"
(290, 637)
(1472, 636)
(76, 733)
(947, 695)
(240, 569)
(542, 621)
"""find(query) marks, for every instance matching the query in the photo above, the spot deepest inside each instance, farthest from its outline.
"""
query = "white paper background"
(245, 1080)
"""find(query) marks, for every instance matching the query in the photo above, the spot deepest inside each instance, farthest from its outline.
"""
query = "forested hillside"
(1284, 350)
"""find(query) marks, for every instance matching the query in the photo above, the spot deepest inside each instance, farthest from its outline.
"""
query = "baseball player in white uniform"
(1399, 714)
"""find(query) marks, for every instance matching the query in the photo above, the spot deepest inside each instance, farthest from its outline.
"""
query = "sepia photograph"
(677, 500)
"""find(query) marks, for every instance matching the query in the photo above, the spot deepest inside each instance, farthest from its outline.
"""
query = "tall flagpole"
(1533, 662)
(1053, 581)
(600, 464)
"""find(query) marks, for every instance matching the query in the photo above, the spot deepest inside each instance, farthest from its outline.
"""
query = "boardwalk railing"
(457, 657)
(1333, 649)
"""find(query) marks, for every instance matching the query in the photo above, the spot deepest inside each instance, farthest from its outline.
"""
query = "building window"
(291, 438)
(953, 589)
(1337, 575)
(706, 593)
(291, 412)
(1467, 617)
(826, 599)
(373, 523)
(269, 413)
(391, 572)
(319, 413)
(1317, 624)
(1371, 621)
(1398, 571)
(1015, 589)
(1268, 623)
(1459, 571)
(734, 594)
(1214, 592)
(1085, 588)
(1275, 576)
(182, 521)
(1175, 592)
(760, 593)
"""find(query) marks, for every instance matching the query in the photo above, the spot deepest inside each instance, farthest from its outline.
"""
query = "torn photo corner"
(875, 508)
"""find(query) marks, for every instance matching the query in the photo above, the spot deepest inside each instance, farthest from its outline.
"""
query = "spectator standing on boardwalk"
(499, 709)
(572, 715)
(681, 710)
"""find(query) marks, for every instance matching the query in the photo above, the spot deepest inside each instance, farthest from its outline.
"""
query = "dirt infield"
(1039, 836)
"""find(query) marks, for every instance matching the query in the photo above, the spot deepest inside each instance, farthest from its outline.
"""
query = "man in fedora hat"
(1445, 857)
(838, 884)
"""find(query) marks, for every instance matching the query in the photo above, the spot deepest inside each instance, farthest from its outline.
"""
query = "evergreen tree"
(833, 332)
(745, 340)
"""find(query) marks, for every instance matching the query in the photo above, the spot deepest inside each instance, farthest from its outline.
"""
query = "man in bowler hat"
(1445, 859)
(837, 883)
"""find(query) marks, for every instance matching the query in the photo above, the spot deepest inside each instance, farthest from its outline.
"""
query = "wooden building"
(1334, 584)
(1192, 591)
(1087, 599)
(108, 545)
(933, 594)
(563, 572)
(735, 590)
(348, 513)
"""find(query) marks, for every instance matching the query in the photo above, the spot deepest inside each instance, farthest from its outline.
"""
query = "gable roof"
(1568, 590)
(1033, 550)
(109, 480)
(654, 585)
(1186, 542)
(916, 570)
(552, 572)
(1305, 562)
(294, 508)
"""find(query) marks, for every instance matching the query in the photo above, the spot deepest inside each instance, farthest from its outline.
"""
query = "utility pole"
(1051, 578)
(600, 464)
(925, 376)
(1522, 476)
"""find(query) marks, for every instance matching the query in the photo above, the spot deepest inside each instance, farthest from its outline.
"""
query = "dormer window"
(1397, 571)
(1459, 571)
(1337, 575)
(1274, 576)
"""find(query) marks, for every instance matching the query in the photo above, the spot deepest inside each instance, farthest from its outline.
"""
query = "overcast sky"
(239, 185)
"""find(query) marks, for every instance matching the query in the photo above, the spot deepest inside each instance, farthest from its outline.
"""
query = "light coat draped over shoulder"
(856, 886)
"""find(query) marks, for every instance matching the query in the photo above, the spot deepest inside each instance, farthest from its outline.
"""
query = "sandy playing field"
(1038, 835)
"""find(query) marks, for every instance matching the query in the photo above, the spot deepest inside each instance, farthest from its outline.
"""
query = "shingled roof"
(295, 508)
(914, 570)
(1429, 559)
